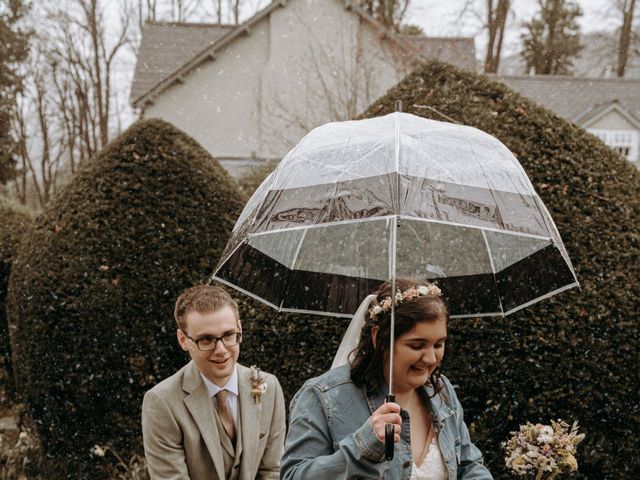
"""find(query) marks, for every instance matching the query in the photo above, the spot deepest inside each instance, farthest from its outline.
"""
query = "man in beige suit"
(214, 418)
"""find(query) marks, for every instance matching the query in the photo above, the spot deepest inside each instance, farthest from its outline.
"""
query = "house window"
(624, 151)
(625, 142)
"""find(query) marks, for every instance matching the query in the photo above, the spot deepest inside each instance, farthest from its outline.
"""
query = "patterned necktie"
(225, 415)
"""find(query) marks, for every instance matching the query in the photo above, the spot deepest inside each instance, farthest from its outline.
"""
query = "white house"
(607, 107)
(249, 93)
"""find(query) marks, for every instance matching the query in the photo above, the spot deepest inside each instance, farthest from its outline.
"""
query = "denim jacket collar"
(439, 408)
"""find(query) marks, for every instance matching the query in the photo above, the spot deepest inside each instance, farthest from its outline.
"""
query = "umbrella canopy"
(358, 202)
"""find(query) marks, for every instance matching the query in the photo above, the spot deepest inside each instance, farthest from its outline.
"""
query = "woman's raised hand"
(387, 413)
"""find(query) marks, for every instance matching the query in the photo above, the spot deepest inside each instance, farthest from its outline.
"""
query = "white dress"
(432, 466)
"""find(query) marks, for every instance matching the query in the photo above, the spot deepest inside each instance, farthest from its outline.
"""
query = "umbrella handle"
(389, 434)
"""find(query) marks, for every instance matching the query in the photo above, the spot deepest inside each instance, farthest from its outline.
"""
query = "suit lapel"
(250, 414)
(199, 405)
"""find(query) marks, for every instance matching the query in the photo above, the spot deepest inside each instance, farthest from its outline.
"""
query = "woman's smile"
(417, 354)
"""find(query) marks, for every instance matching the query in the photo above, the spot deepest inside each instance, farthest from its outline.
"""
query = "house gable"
(611, 117)
(153, 77)
(291, 71)
(257, 90)
(211, 51)
(217, 102)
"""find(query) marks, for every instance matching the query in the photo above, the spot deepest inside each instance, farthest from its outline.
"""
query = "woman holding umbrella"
(337, 422)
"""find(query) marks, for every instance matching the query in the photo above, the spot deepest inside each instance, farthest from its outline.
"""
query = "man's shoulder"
(169, 384)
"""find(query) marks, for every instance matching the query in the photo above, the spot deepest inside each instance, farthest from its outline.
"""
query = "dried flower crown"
(429, 290)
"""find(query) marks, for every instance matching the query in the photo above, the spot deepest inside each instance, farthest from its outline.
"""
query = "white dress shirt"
(232, 387)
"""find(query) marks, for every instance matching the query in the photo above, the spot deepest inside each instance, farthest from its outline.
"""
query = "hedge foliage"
(576, 355)
(93, 288)
(15, 220)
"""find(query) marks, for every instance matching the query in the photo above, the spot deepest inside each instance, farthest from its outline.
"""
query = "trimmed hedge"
(93, 288)
(576, 355)
(15, 220)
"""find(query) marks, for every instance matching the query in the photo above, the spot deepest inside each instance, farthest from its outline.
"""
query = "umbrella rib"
(542, 297)
(246, 292)
(295, 257)
(493, 269)
(315, 312)
(225, 259)
(478, 315)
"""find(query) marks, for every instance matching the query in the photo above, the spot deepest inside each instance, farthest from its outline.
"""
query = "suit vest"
(231, 456)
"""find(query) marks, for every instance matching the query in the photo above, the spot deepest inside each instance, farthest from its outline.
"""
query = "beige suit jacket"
(181, 440)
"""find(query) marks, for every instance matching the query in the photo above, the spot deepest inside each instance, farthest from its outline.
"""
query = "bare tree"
(627, 8)
(147, 10)
(66, 113)
(389, 13)
(14, 49)
(497, 11)
(219, 11)
(229, 13)
(36, 130)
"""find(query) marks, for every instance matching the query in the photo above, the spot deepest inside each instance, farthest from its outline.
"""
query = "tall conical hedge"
(575, 356)
(15, 220)
(93, 288)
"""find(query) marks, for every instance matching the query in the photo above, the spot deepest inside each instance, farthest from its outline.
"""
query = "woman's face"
(417, 353)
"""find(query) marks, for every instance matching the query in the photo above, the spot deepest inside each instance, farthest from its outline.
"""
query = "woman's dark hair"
(368, 360)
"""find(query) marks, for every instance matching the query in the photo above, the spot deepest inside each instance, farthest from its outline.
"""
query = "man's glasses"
(209, 342)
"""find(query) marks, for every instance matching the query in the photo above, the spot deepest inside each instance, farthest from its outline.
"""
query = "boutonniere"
(258, 385)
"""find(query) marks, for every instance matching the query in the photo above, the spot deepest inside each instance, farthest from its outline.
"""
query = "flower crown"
(429, 290)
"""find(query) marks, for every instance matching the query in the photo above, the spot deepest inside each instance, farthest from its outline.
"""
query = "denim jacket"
(330, 436)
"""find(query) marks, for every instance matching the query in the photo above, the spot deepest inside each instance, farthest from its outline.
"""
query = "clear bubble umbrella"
(359, 202)
(356, 203)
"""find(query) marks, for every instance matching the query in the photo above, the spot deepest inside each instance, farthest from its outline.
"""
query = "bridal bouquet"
(543, 451)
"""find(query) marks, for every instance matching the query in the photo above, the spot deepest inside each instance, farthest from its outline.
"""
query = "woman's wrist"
(367, 441)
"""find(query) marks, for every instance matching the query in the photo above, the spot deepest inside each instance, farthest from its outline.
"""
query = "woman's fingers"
(391, 418)
(388, 407)
(388, 413)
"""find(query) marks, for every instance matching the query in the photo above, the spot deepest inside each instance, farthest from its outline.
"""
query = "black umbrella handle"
(389, 434)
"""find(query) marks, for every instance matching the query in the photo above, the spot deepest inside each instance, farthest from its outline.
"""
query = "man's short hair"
(202, 299)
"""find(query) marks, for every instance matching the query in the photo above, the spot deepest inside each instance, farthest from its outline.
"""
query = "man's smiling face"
(217, 364)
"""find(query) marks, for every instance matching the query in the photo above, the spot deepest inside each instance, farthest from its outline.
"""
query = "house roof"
(578, 99)
(164, 48)
(168, 51)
